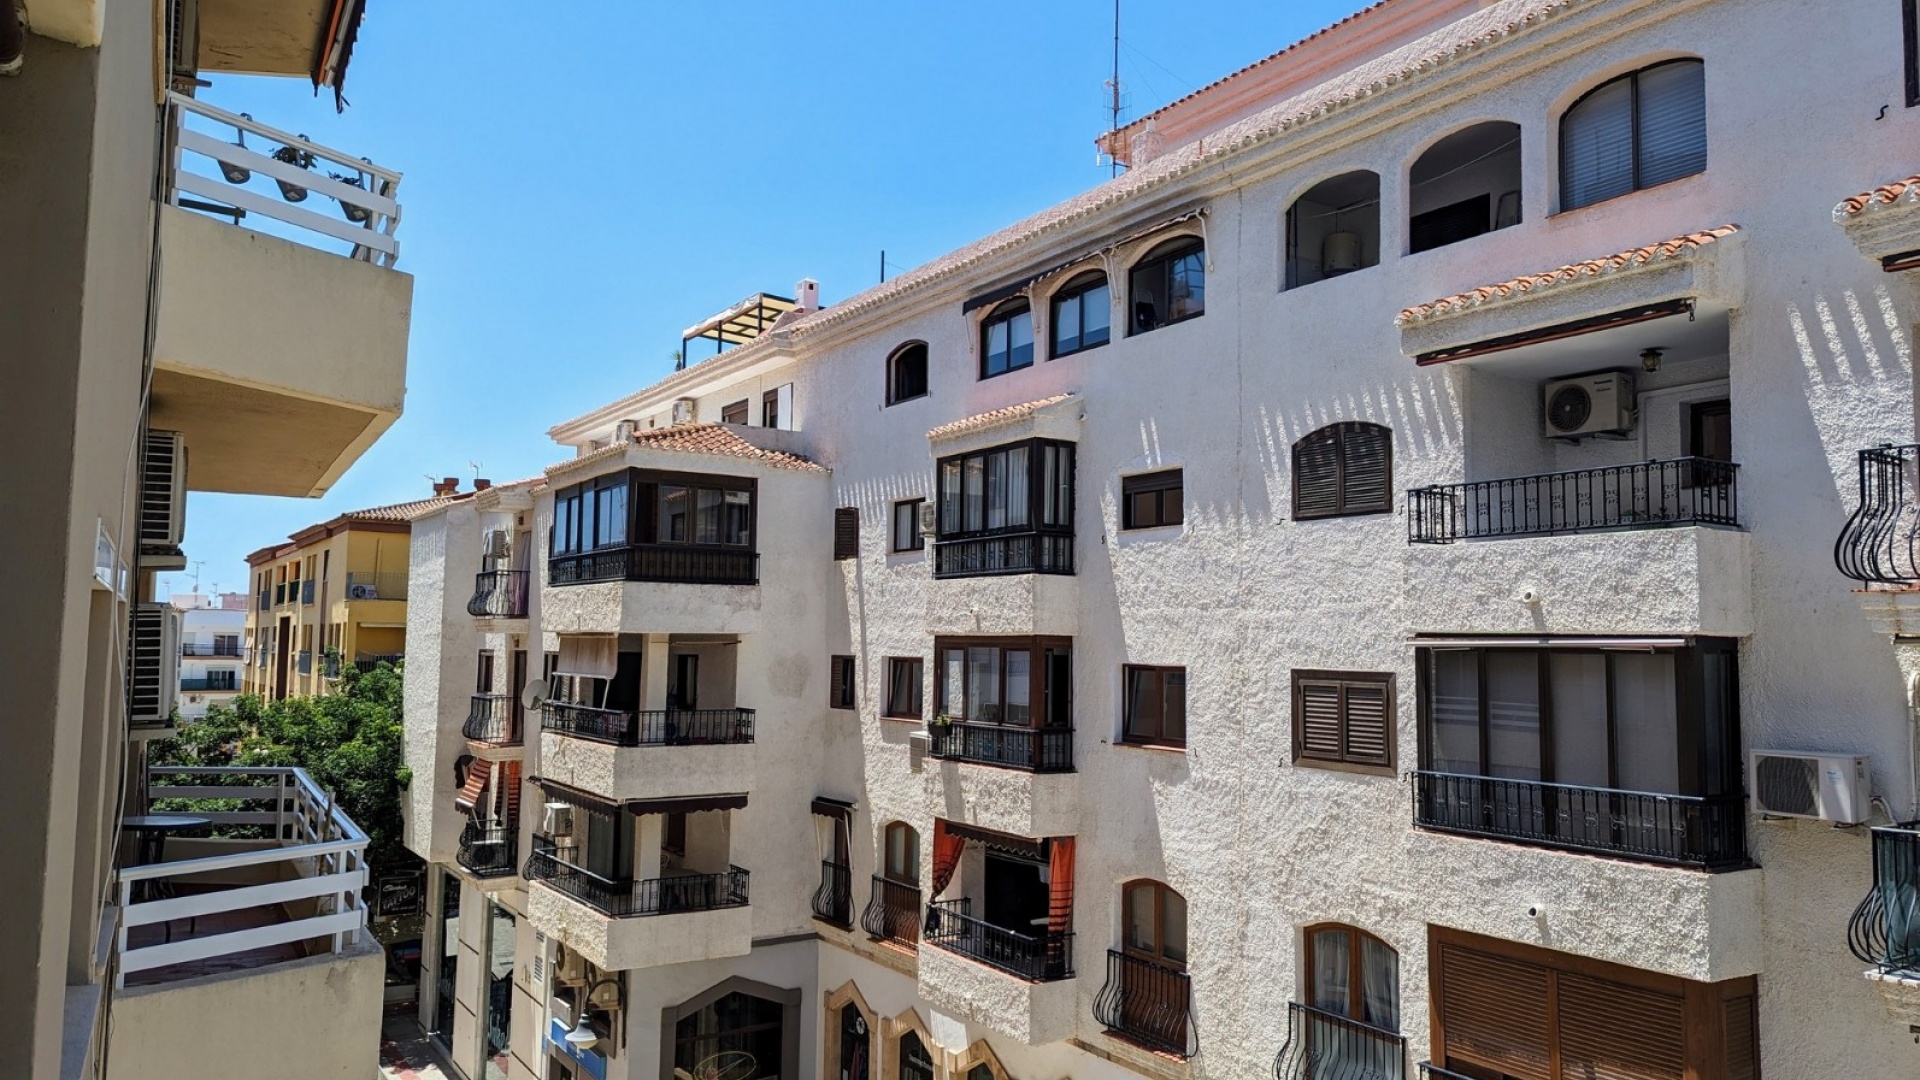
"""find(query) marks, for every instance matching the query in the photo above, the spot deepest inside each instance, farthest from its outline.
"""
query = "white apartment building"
(1417, 578)
(212, 630)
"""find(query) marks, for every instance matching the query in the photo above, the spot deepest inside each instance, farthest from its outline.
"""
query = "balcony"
(833, 900)
(683, 564)
(1036, 750)
(1643, 495)
(492, 720)
(1038, 957)
(195, 648)
(635, 924)
(1147, 1002)
(660, 727)
(1018, 553)
(499, 594)
(210, 685)
(1885, 929)
(1019, 984)
(384, 586)
(1326, 1044)
(1879, 546)
(489, 850)
(1697, 832)
(657, 754)
(893, 913)
(281, 319)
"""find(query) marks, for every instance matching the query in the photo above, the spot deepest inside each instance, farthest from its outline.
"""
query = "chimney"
(447, 486)
(807, 295)
(482, 484)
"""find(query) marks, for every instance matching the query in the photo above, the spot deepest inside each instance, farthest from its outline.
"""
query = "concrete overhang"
(269, 37)
(280, 363)
(1884, 223)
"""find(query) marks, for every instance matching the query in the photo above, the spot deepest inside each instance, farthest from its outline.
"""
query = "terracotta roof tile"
(697, 439)
(1680, 247)
(1907, 190)
(405, 511)
(994, 418)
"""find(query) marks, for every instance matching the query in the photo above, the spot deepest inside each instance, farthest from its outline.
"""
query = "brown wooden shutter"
(1366, 468)
(840, 683)
(846, 533)
(1316, 720)
(1368, 724)
(1494, 1010)
(1316, 474)
(1613, 1032)
(1743, 1049)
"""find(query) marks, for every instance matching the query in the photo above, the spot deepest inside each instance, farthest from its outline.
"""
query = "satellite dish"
(534, 695)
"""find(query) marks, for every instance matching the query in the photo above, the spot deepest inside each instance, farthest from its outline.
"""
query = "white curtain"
(1380, 984)
(595, 656)
(1332, 963)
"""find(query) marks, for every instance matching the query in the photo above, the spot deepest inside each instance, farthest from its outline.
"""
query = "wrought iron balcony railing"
(1885, 928)
(499, 594)
(833, 900)
(623, 899)
(1643, 495)
(893, 912)
(1148, 1001)
(1017, 553)
(490, 850)
(1036, 957)
(664, 727)
(1043, 749)
(1702, 832)
(1324, 1045)
(492, 719)
(1880, 543)
(686, 564)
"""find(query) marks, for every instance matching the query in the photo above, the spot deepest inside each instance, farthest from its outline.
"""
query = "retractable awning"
(1025, 847)
(832, 808)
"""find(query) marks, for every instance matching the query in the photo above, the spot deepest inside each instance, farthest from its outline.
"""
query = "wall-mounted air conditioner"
(163, 501)
(153, 663)
(685, 411)
(1824, 787)
(1600, 403)
(624, 430)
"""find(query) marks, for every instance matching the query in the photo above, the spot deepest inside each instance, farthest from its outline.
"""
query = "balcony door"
(1154, 922)
(1014, 896)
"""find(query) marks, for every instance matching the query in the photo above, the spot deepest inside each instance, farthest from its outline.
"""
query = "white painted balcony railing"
(316, 871)
(283, 177)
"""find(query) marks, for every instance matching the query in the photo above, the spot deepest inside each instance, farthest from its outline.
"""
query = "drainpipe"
(13, 38)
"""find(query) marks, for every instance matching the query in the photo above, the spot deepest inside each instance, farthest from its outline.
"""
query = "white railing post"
(120, 935)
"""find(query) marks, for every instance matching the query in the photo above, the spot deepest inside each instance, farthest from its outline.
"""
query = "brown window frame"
(840, 682)
(1356, 968)
(735, 413)
(1343, 505)
(918, 682)
(1037, 649)
(1160, 738)
(1161, 484)
(1158, 954)
(1386, 681)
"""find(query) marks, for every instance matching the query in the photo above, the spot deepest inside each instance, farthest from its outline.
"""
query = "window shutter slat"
(1368, 724)
(846, 532)
(1596, 147)
(1743, 1059)
(1318, 725)
(1673, 122)
(1495, 1009)
(840, 683)
(1316, 475)
(1613, 1032)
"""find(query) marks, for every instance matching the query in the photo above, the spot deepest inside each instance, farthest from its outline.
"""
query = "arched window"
(1334, 228)
(1154, 919)
(1169, 285)
(1342, 469)
(915, 1062)
(1081, 314)
(903, 853)
(1147, 994)
(1006, 339)
(907, 373)
(1635, 131)
(1351, 973)
(1466, 184)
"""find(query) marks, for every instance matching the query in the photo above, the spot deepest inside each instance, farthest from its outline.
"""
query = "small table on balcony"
(150, 846)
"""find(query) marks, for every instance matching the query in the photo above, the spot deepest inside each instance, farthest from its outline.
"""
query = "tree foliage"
(349, 741)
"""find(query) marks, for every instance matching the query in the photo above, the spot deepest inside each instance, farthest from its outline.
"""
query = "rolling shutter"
(846, 532)
(1596, 146)
(1613, 1032)
(1494, 1010)
(1672, 117)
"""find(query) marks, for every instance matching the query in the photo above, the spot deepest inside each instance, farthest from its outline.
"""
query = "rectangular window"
(1344, 719)
(1082, 316)
(735, 413)
(904, 677)
(840, 683)
(1152, 500)
(1155, 707)
(846, 532)
(483, 681)
(906, 525)
(1024, 682)
(770, 409)
(1002, 489)
(1006, 340)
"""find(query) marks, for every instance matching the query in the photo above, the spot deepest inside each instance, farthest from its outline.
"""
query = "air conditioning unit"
(929, 520)
(623, 431)
(1600, 403)
(685, 411)
(153, 663)
(1824, 787)
(558, 820)
(362, 591)
(163, 501)
(571, 970)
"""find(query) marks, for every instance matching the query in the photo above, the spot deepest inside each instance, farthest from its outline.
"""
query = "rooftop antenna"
(197, 564)
(1113, 97)
(476, 468)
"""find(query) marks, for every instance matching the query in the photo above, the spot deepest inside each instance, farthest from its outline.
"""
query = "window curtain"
(595, 656)
(1332, 966)
(1060, 885)
(946, 857)
(1380, 985)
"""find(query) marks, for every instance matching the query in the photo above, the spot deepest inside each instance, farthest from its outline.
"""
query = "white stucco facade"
(1792, 323)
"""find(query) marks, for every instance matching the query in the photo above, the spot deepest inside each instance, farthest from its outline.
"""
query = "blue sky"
(584, 183)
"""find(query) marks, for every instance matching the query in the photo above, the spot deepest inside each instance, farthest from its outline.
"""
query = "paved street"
(405, 1053)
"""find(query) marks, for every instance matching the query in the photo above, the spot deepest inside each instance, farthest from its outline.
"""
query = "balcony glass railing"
(209, 684)
(1019, 553)
(893, 912)
(1643, 495)
(833, 900)
(1703, 832)
(1146, 1000)
(492, 718)
(1327, 1044)
(1041, 956)
(499, 594)
(1880, 543)
(668, 727)
(200, 648)
(622, 899)
(1885, 928)
(685, 564)
(1043, 749)
(489, 850)
(228, 165)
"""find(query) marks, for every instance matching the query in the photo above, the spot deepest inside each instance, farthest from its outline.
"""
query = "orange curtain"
(946, 856)
(1060, 888)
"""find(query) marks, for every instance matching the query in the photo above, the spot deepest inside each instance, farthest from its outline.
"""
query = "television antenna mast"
(1113, 96)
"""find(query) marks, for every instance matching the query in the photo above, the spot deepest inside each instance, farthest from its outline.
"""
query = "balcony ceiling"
(253, 441)
(264, 37)
(1681, 339)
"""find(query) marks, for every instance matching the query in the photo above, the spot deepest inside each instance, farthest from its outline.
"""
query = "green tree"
(349, 741)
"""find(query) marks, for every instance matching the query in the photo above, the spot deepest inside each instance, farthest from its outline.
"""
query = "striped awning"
(832, 808)
(468, 797)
